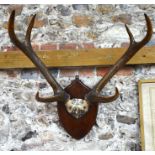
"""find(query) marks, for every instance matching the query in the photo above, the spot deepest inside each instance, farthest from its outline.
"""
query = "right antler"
(134, 47)
(59, 93)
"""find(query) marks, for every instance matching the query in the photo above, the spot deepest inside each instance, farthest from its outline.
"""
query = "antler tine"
(149, 30)
(26, 47)
(133, 48)
(130, 34)
(29, 29)
(47, 99)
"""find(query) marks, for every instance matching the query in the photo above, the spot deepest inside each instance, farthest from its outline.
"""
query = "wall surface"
(26, 124)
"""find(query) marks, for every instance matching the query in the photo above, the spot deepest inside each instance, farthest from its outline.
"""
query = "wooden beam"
(72, 58)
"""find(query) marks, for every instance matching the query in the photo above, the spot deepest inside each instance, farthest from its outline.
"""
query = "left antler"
(94, 96)
(26, 48)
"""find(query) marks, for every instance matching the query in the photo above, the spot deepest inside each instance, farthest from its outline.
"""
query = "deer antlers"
(59, 93)
(77, 104)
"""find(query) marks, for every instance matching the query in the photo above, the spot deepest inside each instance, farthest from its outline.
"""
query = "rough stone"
(105, 136)
(125, 119)
(124, 6)
(4, 128)
(105, 8)
(144, 6)
(65, 11)
(80, 7)
(29, 74)
(92, 35)
(1, 119)
(29, 135)
(5, 108)
(84, 20)
(38, 22)
(28, 85)
(17, 27)
(133, 146)
(124, 18)
(46, 136)
(116, 30)
(5, 25)
(42, 85)
(32, 144)
(19, 131)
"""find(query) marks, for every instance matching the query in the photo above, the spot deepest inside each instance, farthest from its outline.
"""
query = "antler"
(26, 47)
(134, 47)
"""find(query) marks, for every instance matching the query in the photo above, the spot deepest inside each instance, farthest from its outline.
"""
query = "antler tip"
(147, 18)
(34, 16)
(32, 20)
(145, 15)
(126, 27)
(13, 12)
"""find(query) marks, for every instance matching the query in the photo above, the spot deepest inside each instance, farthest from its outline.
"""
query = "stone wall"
(26, 124)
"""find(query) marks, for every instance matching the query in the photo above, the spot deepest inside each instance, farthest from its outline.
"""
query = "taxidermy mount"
(77, 104)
